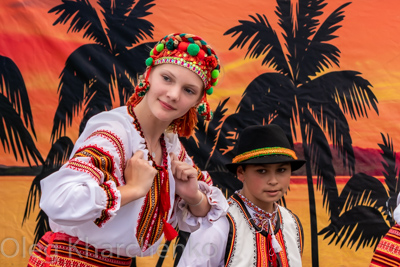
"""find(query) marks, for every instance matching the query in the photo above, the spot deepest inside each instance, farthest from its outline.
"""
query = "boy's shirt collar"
(259, 216)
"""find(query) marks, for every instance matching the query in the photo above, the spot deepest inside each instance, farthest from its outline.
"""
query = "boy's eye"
(281, 169)
(261, 171)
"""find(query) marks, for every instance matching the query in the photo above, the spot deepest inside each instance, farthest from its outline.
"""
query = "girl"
(129, 180)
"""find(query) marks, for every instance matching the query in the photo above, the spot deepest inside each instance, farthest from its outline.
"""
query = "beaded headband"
(191, 52)
(266, 151)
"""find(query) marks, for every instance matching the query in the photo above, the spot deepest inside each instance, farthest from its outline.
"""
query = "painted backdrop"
(326, 71)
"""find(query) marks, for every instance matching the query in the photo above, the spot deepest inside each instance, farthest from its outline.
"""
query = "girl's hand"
(185, 179)
(139, 175)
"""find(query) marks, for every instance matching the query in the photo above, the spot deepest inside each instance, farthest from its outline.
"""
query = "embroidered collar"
(259, 216)
(162, 142)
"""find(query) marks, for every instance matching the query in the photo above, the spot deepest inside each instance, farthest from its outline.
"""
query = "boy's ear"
(240, 173)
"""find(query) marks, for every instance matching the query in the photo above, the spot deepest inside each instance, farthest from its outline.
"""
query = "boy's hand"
(139, 174)
(185, 179)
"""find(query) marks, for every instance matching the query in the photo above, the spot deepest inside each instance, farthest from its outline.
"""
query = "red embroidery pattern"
(105, 164)
(100, 159)
(260, 216)
(112, 200)
(387, 252)
(153, 216)
(117, 143)
(82, 166)
(58, 249)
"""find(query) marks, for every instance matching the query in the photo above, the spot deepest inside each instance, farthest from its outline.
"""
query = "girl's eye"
(190, 91)
(166, 78)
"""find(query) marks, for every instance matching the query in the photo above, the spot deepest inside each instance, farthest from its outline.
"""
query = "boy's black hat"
(264, 144)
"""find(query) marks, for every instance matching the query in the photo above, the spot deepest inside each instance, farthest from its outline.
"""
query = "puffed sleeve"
(182, 215)
(85, 187)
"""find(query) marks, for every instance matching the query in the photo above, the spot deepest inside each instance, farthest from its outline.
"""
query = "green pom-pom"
(170, 44)
(149, 61)
(193, 49)
(201, 108)
(152, 52)
(160, 47)
(210, 91)
(215, 83)
(215, 74)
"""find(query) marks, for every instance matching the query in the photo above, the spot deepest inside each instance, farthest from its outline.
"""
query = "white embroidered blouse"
(82, 199)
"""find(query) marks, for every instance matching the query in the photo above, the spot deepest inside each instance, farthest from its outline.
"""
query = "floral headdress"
(191, 52)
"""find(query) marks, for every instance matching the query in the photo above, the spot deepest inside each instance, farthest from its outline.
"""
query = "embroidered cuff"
(112, 203)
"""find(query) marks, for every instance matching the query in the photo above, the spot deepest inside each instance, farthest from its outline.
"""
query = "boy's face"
(264, 184)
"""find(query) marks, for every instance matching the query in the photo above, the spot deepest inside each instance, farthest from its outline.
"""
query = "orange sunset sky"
(369, 42)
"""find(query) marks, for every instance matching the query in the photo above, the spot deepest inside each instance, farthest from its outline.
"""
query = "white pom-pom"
(275, 244)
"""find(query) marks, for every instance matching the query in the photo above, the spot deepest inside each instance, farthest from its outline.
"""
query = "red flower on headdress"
(211, 61)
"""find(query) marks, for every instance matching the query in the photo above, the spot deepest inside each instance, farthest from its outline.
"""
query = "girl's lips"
(166, 106)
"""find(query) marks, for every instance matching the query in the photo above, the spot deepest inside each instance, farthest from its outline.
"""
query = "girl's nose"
(173, 92)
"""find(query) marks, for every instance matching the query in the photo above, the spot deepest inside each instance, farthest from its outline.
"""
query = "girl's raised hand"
(139, 174)
(185, 178)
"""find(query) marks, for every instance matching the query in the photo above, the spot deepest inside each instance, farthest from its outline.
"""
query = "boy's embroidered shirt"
(259, 216)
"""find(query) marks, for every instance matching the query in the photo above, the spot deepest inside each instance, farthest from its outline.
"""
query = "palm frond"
(89, 64)
(139, 26)
(125, 23)
(316, 144)
(363, 226)
(265, 42)
(320, 54)
(307, 22)
(358, 188)
(42, 226)
(57, 156)
(389, 164)
(130, 62)
(12, 86)
(284, 11)
(14, 136)
(83, 17)
(349, 90)
(330, 117)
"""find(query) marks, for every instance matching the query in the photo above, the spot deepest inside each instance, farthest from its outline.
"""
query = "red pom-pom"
(183, 46)
(169, 231)
(201, 54)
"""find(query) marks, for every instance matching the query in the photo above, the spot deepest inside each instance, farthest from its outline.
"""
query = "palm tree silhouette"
(14, 105)
(96, 75)
(298, 92)
(366, 206)
(301, 93)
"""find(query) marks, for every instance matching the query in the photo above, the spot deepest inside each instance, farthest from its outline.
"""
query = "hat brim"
(272, 159)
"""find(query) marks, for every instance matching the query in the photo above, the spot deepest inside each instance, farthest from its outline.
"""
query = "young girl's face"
(173, 91)
(265, 184)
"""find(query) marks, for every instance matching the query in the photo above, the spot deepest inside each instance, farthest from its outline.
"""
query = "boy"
(256, 231)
